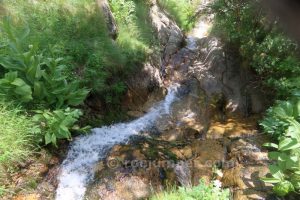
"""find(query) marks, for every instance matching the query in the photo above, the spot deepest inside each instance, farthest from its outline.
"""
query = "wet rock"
(125, 153)
(247, 180)
(233, 127)
(249, 194)
(172, 135)
(176, 151)
(187, 152)
(247, 152)
(130, 188)
(164, 124)
(183, 174)
(135, 114)
(192, 133)
(27, 197)
(231, 177)
(251, 177)
(207, 154)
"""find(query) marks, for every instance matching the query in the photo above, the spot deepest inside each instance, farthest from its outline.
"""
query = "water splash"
(78, 168)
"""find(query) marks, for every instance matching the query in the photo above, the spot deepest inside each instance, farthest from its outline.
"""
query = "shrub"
(57, 124)
(282, 121)
(202, 191)
(77, 30)
(30, 76)
(244, 25)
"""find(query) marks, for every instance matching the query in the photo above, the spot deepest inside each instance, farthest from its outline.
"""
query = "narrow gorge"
(148, 99)
(207, 119)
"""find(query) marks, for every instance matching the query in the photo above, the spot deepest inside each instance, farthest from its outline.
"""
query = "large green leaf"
(276, 172)
(38, 90)
(294, 129)
(288, 144)
(271, 180)
(273, 145)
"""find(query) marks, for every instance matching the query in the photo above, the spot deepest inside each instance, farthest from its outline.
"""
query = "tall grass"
(182, 11)
(16, 135)
(136, 35)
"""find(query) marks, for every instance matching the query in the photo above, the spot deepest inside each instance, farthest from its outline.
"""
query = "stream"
(78, 168)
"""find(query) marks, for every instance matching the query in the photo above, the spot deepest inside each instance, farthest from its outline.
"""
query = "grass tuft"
(182, 11)
(16, 135)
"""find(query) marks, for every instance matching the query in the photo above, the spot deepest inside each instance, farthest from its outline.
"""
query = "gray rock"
(220, 73)
(169, 34)
(109, 18)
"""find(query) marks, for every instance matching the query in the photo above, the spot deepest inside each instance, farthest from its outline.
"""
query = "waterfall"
(77, 170)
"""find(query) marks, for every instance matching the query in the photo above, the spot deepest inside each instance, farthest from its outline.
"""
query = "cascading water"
(78, 168)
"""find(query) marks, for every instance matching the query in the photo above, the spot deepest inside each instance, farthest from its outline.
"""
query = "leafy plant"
(34, 77)
(57, 124)
(245, 27)
(15, 87)
(282, 121)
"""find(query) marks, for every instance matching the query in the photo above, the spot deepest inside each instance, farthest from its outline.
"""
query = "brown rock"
(129, 188)
(232, 177)
(27, 197)
(135, 114)
(246, 179)
(249, 194)
(209, 153)
(233, 127)
(187, 152)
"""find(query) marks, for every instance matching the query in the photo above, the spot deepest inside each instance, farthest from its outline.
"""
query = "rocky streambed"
(209, 129)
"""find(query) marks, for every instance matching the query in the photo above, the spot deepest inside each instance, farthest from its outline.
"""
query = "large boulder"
(220, 73)
(145, 87)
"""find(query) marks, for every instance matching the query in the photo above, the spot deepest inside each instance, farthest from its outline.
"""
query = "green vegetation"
(135, 30)
(75, 30)
(282, 122)
(52, 51)
(16, 135)
(32, 77)
(182, 11)
(262, 45)
(202, 191)
(57, 124)
(244, 26)
(53, 54)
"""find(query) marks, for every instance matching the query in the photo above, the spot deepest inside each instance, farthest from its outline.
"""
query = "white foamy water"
(77, 169)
